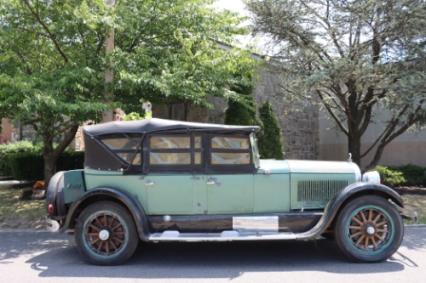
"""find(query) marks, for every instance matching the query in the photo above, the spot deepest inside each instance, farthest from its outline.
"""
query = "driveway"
(47, 257)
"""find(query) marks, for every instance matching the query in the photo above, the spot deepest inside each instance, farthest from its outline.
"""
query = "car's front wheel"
(105, 234)
(369, 229)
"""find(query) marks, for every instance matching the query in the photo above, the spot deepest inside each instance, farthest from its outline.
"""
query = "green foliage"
(390, 176)
(414, 175)
(24, 160)
(53, 62)
(6, 150)
(243, 110)
(177, 51)
(132, 116)
(353, 57)
(270, 140)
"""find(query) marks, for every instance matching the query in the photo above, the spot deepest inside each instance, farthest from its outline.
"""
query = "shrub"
(24, 161)
(6, 150)
(390, 176)
(414, 175)
(242, 112)
(270, 140)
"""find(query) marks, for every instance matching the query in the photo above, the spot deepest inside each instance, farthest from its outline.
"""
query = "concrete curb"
(25, 231)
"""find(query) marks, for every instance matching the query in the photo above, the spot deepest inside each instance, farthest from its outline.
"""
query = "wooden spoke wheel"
(369, 228)
(105, 233)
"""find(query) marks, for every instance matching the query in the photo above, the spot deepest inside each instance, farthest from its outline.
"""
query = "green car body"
(181, 181)
(272, 188)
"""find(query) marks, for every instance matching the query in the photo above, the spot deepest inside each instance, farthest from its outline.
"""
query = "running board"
(225, 236)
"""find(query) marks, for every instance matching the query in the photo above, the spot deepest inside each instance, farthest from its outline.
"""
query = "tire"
(379, 242)
(112, 247)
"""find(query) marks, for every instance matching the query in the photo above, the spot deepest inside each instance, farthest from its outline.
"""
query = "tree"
(270, 140)
(242, 111)
(53, 61)
(355, 58)
(177, 52)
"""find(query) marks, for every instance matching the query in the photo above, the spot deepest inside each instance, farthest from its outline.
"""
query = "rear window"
(121, 143)
(127, 148)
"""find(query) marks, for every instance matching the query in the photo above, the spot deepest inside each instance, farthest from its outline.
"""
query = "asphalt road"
(47, 257)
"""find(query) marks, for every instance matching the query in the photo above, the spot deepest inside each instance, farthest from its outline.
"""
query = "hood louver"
(319, 190)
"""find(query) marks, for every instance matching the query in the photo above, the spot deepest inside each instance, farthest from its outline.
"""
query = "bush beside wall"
(407, 175)
(270, 140)
(24, 161)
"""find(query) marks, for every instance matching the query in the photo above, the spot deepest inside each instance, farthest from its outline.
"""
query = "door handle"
(149, 183)
(212, 181)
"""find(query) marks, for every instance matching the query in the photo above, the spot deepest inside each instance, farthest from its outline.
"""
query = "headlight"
(371, 177)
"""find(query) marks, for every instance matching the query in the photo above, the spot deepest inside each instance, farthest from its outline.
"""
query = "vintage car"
(160, 180)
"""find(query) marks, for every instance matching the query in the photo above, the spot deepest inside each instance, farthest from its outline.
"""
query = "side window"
(126, 147)
(174, 150)
(230, 150)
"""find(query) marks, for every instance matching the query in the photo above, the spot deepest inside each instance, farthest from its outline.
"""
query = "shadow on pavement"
(210, 260)
(201, 260)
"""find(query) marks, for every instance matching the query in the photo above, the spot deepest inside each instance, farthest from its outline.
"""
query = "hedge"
(407, 175)
(270, 139)
(6, 150)
(24, 161)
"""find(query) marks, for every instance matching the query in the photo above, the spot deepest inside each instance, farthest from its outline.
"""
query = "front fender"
(357, 189)
(135, 208)
(352, 191)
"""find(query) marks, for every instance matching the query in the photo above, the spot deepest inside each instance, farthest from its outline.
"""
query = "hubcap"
(369, 229)
(105, 233)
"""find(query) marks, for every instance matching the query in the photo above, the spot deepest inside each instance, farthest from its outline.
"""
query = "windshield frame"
(255, 150)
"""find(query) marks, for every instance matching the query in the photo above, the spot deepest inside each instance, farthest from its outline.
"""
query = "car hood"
(307, 166)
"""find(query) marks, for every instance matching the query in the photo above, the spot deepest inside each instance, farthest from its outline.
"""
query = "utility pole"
(109, 74)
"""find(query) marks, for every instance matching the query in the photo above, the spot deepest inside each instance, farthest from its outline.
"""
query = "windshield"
(255, 150)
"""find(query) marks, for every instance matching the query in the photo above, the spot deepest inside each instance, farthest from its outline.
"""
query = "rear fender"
(104, 193)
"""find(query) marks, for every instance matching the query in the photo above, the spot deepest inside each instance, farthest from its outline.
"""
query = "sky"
(258, 44)
(233, 5)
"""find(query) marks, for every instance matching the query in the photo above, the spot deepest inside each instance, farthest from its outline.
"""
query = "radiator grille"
(319, 190)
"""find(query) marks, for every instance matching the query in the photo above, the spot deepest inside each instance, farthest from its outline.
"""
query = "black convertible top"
(156, 125)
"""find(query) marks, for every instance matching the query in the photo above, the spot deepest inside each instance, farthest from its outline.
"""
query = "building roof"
(157, 125)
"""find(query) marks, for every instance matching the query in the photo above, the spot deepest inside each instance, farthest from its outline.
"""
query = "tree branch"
(333, 115)
(46, 28)
(67, 139)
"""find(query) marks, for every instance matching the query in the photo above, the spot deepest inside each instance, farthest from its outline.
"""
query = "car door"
(229, 179)
(172, 161)
(169, 193)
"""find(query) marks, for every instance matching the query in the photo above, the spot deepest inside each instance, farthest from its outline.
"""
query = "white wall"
(409, 148)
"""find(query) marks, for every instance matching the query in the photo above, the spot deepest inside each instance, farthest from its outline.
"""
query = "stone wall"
(298, 120)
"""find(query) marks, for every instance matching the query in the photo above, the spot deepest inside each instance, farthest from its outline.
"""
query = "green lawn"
(16, 213)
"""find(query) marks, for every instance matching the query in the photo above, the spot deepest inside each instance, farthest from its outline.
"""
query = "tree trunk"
(354, 147)
(49, 167)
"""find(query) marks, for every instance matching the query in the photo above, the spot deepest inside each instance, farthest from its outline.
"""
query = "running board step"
(232, 235)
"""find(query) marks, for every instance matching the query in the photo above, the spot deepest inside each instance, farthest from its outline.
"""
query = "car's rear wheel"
(369, 229)
(105, 234)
